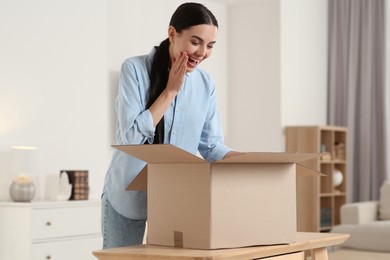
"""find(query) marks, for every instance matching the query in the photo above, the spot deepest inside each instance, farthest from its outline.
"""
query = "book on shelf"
(80, 185)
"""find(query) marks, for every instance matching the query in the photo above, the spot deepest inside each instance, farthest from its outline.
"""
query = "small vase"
(22, 189)
(337, 178)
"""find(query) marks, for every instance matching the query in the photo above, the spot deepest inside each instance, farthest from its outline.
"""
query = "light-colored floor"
(348, 254)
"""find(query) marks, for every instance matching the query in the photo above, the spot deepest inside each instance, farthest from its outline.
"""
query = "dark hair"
(185, 16)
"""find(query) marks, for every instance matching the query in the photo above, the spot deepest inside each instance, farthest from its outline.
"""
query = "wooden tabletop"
(305, 241)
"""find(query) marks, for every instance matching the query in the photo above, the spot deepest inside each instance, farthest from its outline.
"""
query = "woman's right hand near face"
(176, 74)
(175, 81)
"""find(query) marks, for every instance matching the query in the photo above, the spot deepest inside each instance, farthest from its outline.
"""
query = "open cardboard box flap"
(167, 153)
(159, 153)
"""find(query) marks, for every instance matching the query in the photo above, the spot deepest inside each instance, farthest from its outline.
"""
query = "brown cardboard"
(240, 201)
(141, 181)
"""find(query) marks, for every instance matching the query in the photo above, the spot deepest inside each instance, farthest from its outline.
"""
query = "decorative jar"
(22, 189)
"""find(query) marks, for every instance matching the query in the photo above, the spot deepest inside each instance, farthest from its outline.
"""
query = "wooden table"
(317, 242)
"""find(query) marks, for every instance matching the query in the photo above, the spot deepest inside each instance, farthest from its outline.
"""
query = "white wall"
(277, 70)
(304, 46)
(53, 83)
(254, 76)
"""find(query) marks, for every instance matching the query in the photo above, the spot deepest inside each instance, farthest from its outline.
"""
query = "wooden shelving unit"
(318, 199)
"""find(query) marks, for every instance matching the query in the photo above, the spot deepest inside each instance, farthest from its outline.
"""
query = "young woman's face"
(197, 41)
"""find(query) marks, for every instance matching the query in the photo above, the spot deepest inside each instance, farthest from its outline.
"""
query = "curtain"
(356, 90)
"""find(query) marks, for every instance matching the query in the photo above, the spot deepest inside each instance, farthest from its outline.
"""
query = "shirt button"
(174, 132)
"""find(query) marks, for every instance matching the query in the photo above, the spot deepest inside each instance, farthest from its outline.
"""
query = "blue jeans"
(118, 230)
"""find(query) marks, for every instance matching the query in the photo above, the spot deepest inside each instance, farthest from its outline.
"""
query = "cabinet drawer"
(64, 222)
(71, 249)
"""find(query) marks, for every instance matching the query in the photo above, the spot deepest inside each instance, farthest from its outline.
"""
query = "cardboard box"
(240, 201)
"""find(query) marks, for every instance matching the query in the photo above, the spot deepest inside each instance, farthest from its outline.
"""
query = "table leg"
(320, 254)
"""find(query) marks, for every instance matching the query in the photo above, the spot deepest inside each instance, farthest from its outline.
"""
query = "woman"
(163, 97)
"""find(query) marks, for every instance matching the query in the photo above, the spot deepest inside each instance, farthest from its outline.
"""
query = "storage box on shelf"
(319, 199)
(49, 230)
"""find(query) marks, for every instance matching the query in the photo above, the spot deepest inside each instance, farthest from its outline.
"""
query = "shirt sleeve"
(211, 145)
(134, 122)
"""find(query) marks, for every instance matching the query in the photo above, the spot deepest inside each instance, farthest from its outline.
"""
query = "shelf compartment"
(326, 145)
(340, 167)
(340, 148)
(326, 181)
(326, 214)
(338, 202)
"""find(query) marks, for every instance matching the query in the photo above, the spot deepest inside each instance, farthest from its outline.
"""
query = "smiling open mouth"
(193, 62)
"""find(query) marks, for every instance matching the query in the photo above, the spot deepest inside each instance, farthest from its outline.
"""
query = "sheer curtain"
(356, 89)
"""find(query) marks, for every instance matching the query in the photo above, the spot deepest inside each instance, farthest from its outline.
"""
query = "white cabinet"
(50, 230)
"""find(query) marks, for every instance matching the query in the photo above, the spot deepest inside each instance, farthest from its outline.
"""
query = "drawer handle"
(48, 257)
(48, 223)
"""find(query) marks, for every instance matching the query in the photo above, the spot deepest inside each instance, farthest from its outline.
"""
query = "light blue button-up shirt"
(191, 123)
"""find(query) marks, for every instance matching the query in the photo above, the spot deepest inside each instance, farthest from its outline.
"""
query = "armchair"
(369, 230)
